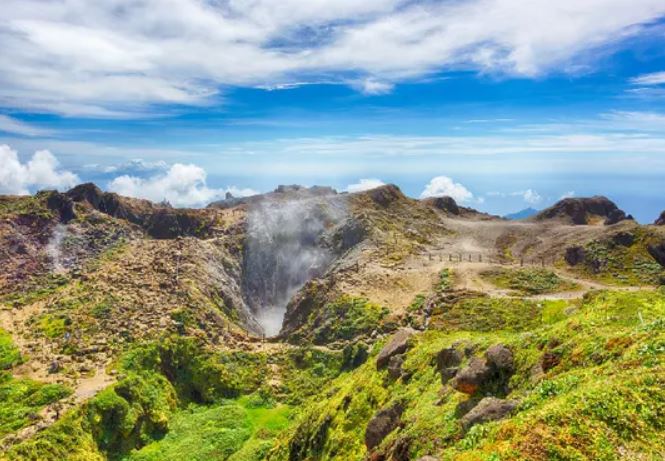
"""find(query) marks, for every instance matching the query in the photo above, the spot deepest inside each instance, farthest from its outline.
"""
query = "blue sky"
(504, 104)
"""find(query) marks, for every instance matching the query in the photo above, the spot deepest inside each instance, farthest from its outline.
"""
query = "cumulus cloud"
(443, 185)
(530, 196)
(365, 184)
(111, 58)
(569, 194)
(181, 185)
(42, 171)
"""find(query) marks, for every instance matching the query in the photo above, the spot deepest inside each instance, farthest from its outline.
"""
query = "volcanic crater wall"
(288, 242)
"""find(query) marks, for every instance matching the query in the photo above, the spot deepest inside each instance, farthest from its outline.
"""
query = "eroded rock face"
(62, 205)
(488, 409)
(385, 195)
(398, 344)
(382, 423)
(447, 204)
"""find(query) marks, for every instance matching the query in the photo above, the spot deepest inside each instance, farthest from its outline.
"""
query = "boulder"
(475, 375)
(447, 363)
(501, 358)
(575, 255)
(395, 366)
(488, 409)
(657, 252)
(382, 423)
(661, 220)
(491, 371)
(398, 344)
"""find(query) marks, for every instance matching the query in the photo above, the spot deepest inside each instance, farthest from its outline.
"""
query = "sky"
(502, 104)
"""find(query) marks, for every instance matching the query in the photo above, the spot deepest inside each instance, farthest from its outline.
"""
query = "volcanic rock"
(382, 423)
(447, 362)
(470, 379)
(488, 409)
(398, 344)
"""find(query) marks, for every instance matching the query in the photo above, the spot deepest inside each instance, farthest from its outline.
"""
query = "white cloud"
(12, 125)
(529, 196)
(40, 172)
(443, 185)
(114, 58)
(569, 194)
(182, 186)
(655, 78)
(365, 184)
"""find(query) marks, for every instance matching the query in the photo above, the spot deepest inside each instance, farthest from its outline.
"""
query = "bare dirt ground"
(471, 248)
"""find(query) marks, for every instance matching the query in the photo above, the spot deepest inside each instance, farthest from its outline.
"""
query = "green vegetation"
(445, 282)
(242, 430)
(531, 281)
(602, 400)
(9, 353)
(343, 319)
(622, 264)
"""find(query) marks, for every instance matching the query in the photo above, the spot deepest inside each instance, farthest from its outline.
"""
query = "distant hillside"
(522, 214)
(584, 211)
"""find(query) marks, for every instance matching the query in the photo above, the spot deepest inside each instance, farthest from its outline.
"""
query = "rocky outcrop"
(449, 206)
(398, 344)
(282, 192)
(385, 195)
(584, 211)
(61, 204)
(661, 220)
(488, 409)
(382, 423)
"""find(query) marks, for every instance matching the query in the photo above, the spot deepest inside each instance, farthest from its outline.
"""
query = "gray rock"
(398, 344)
(575, 255)
(501, 358)
(657, 252)
(447, 363)
(488, 409)
(395, 366)
(382, 423)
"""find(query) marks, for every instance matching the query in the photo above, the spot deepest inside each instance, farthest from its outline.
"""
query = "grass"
(9, 353)
(528, 281)
(241, 430)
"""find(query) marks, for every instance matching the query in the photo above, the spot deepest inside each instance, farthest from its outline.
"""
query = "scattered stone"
(382, 423)
(488, 409)
(398, 344)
